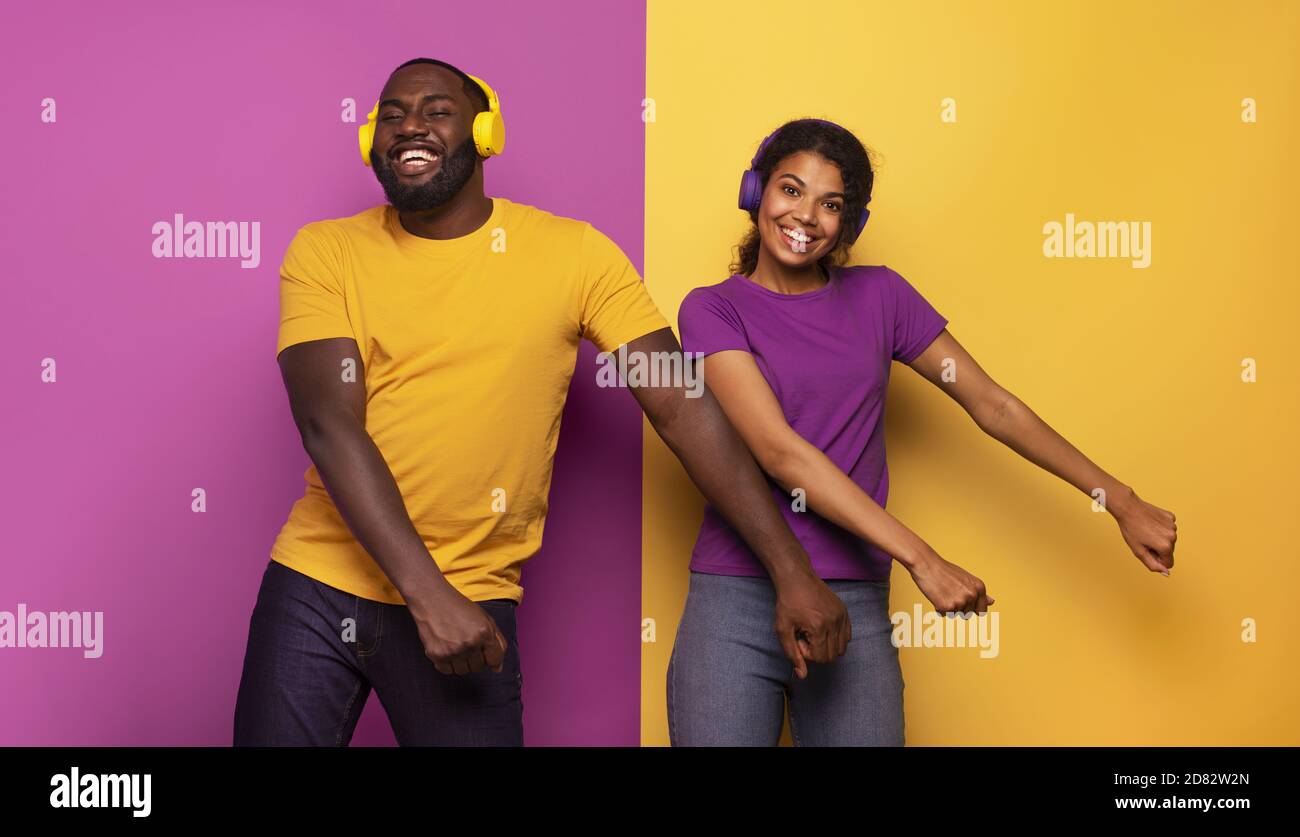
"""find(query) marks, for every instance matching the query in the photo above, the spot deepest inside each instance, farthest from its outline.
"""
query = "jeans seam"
(672, 683)
(513, 609)
(347, 713)
(672, 679)
(379, 630)
(361, 652)
(519, 662)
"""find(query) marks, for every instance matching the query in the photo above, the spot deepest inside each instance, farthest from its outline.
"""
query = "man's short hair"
(472, 90)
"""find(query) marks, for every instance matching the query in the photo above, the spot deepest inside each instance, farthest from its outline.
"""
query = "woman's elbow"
(781, 461)
(993, 410)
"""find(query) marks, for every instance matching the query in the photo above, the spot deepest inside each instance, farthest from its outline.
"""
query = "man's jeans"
(729, 680)
(307, 676)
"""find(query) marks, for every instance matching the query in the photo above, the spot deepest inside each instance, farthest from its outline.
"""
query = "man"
(427, 346)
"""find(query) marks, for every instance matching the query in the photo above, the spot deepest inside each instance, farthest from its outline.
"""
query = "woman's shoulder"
(709, 295)
(709, 311)
(862, 273)
(716, 288)
(871, 282)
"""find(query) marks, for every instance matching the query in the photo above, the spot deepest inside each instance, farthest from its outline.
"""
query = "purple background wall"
(166, 367)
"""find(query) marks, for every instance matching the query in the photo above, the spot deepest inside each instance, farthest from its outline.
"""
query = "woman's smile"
(797, 239)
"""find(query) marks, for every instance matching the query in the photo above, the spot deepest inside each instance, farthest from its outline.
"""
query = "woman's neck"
(781, 279)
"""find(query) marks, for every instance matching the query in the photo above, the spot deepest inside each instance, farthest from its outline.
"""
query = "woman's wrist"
(1120, 499)
(915, 555)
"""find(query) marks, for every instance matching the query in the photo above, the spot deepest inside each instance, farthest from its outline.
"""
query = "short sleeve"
(709, 324)
(916, 323)
(312, 301)
(616, 307)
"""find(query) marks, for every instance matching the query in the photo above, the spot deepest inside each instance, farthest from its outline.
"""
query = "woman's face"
(802, 208)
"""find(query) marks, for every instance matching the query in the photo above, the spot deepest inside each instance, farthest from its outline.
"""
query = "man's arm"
(717, 460)
(329, 409)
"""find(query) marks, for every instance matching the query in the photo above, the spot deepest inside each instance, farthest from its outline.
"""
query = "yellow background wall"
(1111, 111)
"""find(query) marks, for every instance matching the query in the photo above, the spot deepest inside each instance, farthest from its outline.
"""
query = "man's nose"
(413, 124)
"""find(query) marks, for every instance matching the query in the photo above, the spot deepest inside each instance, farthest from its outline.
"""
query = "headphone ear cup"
(751, 191)
(489, 133)
(862, 222)
(366, 134)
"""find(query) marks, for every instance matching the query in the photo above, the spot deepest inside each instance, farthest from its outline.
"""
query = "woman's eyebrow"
(802, 185)
(428, 98)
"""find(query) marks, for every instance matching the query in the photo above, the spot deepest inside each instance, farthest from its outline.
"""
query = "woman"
(798, 348)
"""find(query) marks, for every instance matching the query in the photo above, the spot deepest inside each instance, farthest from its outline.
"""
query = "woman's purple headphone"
(751, 182)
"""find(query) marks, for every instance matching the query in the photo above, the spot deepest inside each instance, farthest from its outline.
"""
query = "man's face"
(423, 153)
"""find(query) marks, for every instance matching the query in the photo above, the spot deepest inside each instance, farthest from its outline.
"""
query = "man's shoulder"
(542, 220)
(367, 220)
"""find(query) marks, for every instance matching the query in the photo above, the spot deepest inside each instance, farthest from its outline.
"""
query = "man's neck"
(460, 216)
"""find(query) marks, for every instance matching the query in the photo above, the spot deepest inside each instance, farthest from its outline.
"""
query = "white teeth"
(798, 240)
(416, 154)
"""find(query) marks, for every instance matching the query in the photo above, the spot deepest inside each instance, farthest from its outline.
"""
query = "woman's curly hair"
(839, 146)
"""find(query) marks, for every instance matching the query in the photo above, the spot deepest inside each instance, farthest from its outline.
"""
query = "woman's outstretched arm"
(793, 462)
(1149, 530)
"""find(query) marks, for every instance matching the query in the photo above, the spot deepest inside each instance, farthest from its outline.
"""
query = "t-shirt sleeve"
(616, 307)
(916, 323)
(709, 324)
(312, 301)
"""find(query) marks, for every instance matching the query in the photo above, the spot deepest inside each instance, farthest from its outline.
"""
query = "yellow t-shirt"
(469, 345)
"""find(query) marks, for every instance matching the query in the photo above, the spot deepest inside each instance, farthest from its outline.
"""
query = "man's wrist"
(428, 592)
(789, 569)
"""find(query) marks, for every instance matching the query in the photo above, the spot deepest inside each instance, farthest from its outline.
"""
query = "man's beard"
(456, 170)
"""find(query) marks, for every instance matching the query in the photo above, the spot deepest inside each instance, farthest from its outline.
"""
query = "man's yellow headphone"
(489, 128)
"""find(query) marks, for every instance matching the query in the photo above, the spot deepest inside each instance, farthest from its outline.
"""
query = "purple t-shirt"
(826, 355)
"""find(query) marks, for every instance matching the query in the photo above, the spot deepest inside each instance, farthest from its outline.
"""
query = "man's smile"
(415, 159)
